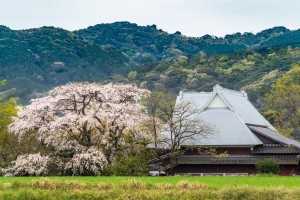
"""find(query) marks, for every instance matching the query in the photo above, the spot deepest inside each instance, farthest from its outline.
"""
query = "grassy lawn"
(150, 188)
(211, 181)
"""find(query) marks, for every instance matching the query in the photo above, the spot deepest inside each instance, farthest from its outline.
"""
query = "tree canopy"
(82, 126)
(283, 102)
(8, 110)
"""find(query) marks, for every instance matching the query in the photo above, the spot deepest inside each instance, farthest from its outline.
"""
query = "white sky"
(191, 17)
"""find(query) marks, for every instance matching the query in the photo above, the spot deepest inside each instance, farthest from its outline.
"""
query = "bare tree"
(182, 123)
(173, 123)
(179, 122)
(153, 104)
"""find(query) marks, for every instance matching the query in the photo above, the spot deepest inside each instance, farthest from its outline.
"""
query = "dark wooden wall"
(220, 150)
(250, 169)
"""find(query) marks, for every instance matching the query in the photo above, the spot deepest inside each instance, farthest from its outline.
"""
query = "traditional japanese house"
(241, 138)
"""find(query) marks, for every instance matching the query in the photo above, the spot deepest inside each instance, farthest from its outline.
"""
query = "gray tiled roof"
(232, 124)
(274, 135)
(226, 129)
(237, 101)
(244, 108)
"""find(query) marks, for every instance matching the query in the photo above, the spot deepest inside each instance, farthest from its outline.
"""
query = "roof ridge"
(226, 101)
(211, 99)
(194, 91)
(219, 88)
(240, 119)
(236, 92)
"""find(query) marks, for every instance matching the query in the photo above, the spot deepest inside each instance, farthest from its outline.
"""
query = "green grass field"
(150, 188)
(210, 181)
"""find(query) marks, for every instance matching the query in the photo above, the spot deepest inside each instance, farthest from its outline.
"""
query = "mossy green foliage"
(8, 142)
(283, 102)
(7, 111)
(150, 188)
(132, 165)
(267, 166)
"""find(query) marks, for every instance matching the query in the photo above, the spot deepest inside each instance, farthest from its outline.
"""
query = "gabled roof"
(236, 101)
(226, 129)
(244, 108)
(232, 117)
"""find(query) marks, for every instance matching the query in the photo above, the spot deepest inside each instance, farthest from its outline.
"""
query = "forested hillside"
(35, 60)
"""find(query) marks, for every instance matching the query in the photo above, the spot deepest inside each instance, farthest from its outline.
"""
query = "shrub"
(29, 165)
(86, 164)
(267, 166)
(132, 165)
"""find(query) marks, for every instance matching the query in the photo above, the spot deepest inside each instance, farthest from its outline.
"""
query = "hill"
(35, 60)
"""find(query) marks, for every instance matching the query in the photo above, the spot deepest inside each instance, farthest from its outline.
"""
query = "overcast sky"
(191, 17)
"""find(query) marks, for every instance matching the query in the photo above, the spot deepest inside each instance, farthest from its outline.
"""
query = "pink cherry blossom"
(79, 116)
(29, 165)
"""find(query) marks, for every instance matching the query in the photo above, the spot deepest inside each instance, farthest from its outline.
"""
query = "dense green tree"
(10, 145)
(7, 111)
(8, 142)
(283, 102)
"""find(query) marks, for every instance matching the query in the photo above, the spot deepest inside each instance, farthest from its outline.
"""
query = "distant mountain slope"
(35, 60)
(148, 39)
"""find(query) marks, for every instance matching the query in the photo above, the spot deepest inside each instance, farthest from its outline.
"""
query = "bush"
(86, 164)
(29, 165)
(267, 166)
(132, 165)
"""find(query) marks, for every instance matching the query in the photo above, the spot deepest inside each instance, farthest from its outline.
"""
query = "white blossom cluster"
(29, 165)
(90, 163)
(69, 111)
(78, 117)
